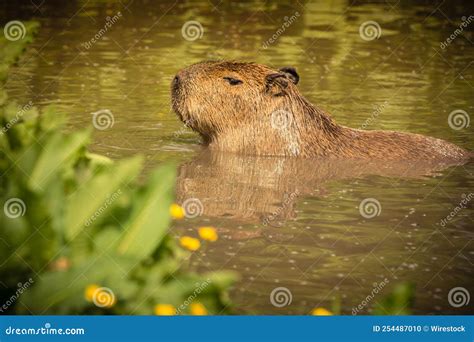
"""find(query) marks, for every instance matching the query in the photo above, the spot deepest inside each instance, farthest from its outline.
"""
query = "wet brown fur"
(240, 118)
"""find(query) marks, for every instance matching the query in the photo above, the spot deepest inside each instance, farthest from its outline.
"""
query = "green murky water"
(282, 223)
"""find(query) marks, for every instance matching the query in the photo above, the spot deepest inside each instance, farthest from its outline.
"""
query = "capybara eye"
(233, 81)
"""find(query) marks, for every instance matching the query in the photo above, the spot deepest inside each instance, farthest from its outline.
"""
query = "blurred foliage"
(398, 302)
(84, 221)
(10, 51)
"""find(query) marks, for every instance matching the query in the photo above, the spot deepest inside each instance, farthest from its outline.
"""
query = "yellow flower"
(208, 233)
(90, 291)
(190, 243)
(176, 211)
(198, 309)
(321, 312)
(165, 310)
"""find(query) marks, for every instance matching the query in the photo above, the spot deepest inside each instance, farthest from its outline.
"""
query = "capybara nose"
(176, 85)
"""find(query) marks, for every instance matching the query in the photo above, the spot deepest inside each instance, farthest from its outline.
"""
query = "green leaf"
(222, 279)
(94, 196)
(97, 159)
(150, 215)
(59, 149)
(51, 119)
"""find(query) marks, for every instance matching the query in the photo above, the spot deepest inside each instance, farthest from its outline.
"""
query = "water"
(282, 223)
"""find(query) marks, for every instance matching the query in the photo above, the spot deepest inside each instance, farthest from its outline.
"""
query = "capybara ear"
(291, 74)
(276, 84)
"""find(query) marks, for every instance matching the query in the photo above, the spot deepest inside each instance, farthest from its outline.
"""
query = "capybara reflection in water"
(253, 109)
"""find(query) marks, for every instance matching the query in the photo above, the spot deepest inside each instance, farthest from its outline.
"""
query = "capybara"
(253, 109)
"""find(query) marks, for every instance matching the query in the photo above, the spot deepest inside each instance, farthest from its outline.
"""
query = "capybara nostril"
(176, 81)
(176, 86)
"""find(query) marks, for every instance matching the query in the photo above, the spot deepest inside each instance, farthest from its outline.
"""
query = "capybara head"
(216, 96)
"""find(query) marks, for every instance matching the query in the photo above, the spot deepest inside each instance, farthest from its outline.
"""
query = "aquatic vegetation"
(89, 235)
